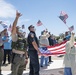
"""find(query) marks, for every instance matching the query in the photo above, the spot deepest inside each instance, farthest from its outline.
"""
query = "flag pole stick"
(74, 29)
(44, 27)
(67, 26)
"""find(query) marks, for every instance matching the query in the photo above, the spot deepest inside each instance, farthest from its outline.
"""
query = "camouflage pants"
(18, 65)
(1, 58)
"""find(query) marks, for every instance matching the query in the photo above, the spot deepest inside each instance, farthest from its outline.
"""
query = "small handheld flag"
(4, 26)
(39, 23)
(10, 28)
(71, 28)
(63, 16)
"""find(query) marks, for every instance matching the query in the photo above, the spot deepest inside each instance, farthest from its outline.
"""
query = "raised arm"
(15, 22)
(72, 39)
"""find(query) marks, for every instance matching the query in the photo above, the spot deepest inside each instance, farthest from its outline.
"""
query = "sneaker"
(51, 61)
(24, 69)
(41, 66)
(1, 74)
(8, 62)
(3, 63)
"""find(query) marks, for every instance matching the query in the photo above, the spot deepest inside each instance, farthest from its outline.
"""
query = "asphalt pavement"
(54, 68)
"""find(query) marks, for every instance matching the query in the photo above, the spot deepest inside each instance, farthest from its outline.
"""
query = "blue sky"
(45, 10)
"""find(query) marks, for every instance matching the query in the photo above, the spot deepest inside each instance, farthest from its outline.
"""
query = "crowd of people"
(18, 49)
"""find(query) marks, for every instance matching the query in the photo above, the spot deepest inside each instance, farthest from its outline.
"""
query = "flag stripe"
(71, 28)
(58, 49)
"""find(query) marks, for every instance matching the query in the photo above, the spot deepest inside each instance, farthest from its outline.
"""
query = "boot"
(0, 73)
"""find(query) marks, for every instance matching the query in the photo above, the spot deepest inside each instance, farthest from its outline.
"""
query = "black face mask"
(21, 35)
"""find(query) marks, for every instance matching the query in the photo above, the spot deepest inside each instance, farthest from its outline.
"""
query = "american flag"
(39, 23)
(58, 49)
(10, 28)
(63, 16)
(4, 25)
(71, 28)
(44, 50)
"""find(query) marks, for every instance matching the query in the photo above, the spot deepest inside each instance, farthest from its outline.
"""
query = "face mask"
(20, 31)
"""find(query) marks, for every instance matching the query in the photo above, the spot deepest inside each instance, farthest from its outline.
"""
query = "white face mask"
(20, 30)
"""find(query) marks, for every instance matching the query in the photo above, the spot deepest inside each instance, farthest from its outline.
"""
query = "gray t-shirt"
(44, 40)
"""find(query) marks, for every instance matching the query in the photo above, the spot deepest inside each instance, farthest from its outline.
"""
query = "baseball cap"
(31, 26)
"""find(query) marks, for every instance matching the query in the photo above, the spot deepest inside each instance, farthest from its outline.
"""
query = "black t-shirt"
(32, 37)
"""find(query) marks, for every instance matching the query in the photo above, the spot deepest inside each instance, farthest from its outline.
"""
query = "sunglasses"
(32, 27)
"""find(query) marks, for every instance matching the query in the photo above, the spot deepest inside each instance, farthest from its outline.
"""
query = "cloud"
(23, 21)
(7, 10)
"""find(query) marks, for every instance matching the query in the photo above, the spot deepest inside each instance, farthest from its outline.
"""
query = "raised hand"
(18, 14)
(73, 33)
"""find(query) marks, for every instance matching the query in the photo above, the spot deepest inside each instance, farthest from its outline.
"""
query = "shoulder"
(31, 35)
(3, 37)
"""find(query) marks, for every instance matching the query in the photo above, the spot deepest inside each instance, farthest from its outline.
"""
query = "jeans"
(67, 71)
(7, 52)
(44, 59)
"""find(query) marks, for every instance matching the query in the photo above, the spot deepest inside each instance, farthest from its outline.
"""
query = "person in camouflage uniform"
(20, 56)
(1, 52)
(1, 48)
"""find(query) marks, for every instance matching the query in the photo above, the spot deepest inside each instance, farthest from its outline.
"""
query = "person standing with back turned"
(1, 47)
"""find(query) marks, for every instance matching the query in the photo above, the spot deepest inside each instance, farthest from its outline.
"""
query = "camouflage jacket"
(20, 44)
